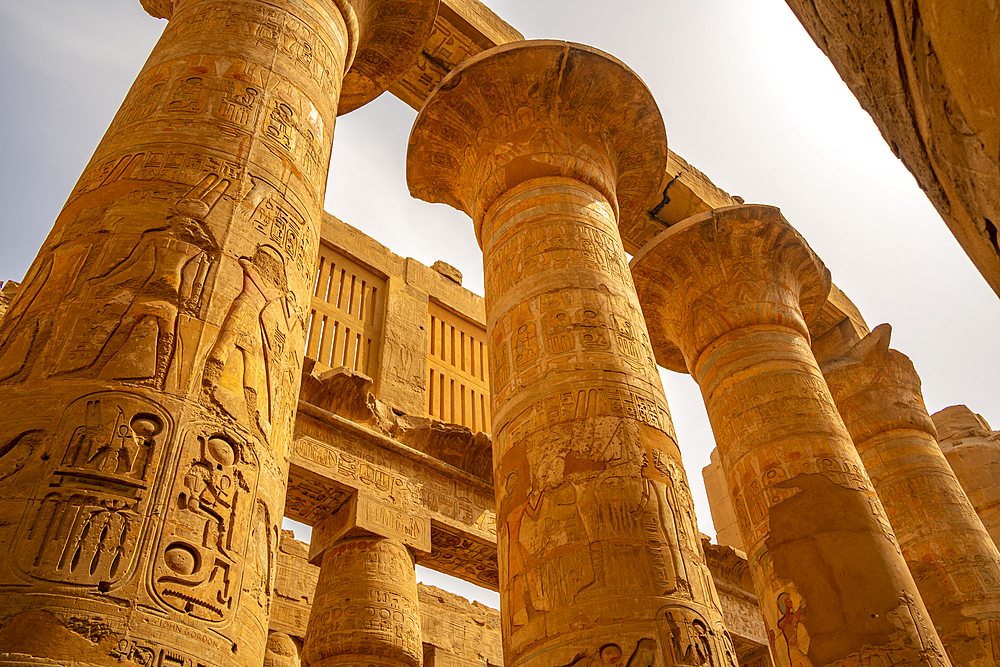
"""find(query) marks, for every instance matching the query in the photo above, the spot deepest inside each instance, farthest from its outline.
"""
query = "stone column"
(149, 365)
(552, 148)
(973, 452)
(954, 562)
(727, 295)
(366, 609)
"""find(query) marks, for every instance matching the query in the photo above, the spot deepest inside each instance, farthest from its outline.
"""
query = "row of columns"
(149, 367)
(150, 364)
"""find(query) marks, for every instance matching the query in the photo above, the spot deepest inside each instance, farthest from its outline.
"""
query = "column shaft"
(555, 150)
(366, 608)
(149, 367)
(727, 295)
(954, 562)
(598, 536)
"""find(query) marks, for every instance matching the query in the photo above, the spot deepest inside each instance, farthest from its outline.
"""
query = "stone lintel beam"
(334, 460)
(952, 558)
(361, 515)
(727, 296)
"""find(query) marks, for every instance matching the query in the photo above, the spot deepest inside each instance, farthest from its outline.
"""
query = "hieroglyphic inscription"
(199, 565)
(551, 246)
(353, 463)
(87, 525)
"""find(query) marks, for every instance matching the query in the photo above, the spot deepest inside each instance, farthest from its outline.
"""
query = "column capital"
(877, 389)
(385, 38)
(534, 109)
(158, 9)
(723, 270)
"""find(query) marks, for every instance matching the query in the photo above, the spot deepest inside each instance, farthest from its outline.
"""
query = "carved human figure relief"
(140, 296)
(85, 525)
(199, 565)
(244, 369)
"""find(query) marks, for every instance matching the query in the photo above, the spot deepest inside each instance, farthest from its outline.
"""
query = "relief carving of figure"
(243, 371)
(131, 336)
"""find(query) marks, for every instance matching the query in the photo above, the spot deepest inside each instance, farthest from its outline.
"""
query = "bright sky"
(746, 97)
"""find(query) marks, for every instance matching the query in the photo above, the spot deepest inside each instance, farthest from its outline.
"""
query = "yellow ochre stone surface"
(954, 562)
(552, 148)
(973, 451)
(196, 338)
(150, 361)
(727, 295)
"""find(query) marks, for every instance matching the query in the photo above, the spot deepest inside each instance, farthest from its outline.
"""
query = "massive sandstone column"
(973, 451)
(550, 147)
(954, 562)
(365, 610)
(149, 366)
(727, 295)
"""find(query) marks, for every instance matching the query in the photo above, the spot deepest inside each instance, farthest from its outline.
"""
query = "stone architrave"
(727, 295)
(553, 148)
(149, 366)
(973, 451)
(954, 562)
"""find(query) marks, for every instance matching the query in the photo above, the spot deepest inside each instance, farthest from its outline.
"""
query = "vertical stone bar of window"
(552, 148)
(952, 558)
(727, 295)
(149, 368)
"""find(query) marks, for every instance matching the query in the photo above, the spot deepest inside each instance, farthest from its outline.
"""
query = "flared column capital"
(723, 270)
(534, 109)
(877, 389)
(385, 38)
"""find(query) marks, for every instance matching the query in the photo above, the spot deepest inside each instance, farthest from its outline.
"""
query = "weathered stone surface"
(954, 562)
(366, 606)
(151, 357)
(928, 72)
(9, 289)
(294, 586)
(450, 443)
(551, 148)
(973, 451)
(727, 295)
(448, 271)
(459, 630)
(334, 458)
(281, 651)
(720, 504)
(731, 574)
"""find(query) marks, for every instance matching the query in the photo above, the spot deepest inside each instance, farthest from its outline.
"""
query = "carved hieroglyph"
(973, 452)
(953, 560)
(544, 145)
(366, 608)
(727, 295)
(149, 366)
